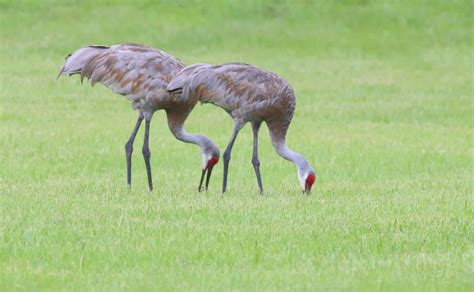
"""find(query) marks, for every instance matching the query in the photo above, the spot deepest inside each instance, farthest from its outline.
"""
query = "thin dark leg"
(227, 155)
(129, 149)
(147, 154)
(255, 161)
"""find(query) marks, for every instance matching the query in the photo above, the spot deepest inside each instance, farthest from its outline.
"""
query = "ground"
(384, 114)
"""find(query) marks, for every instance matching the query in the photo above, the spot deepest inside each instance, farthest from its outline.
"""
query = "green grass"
(384, 114)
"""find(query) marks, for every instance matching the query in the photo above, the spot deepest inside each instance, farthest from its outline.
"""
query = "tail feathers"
(77, 61)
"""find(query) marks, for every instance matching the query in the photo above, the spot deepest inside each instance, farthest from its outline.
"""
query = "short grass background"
(384, 114)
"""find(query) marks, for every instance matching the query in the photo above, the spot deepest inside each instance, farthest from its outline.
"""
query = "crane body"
(249, 95)
(141, 74)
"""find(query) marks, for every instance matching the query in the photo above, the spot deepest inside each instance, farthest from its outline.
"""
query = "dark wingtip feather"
(178, 90)
(63, 66)
(98, 47)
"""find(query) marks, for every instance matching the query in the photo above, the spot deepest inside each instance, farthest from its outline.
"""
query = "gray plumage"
(141, 74)
(247, 94)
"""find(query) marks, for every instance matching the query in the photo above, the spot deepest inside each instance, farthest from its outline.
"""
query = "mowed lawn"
(384, 114)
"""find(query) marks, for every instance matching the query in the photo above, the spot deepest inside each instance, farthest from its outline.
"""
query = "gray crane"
(247, 94)
(141, 74)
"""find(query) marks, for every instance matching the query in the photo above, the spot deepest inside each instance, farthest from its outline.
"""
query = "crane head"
(306, 175)
(212, 161)
(309, 181)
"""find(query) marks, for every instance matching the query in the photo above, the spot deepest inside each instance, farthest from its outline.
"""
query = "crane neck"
(181, 134)
(298, 160)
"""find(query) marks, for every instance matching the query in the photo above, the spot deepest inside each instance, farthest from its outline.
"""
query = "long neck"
(176, 119)
(181, 134)
(202, 141)
(298, 160)
(278, 132)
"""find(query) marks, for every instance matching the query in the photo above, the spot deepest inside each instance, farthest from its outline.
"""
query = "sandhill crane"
(141, 74)
(248, 94)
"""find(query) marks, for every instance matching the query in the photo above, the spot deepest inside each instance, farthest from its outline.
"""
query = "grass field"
(384, 114)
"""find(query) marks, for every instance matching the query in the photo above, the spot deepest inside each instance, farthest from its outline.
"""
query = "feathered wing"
(127, 69)
(242, 89)
(182, 81)
(75, 62)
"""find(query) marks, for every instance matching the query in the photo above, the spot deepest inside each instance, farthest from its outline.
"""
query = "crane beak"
(200, 189)
(208, 177)
(210, 165)
(207, 170)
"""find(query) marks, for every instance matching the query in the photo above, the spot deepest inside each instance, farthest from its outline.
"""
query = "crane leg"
(147, 154)
(255, 161)
(129, 149)
(227, 152)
